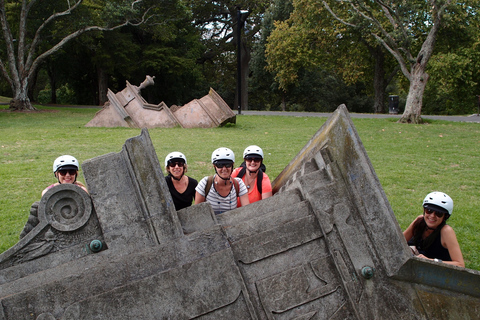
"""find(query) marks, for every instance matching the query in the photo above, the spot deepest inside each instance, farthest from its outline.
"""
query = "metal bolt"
(367, 272)
(95, 246)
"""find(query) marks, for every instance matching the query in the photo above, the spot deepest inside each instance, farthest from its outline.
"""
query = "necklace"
(249, 184)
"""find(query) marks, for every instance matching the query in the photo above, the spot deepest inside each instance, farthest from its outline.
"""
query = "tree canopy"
(340, 33)
(34, 30)
(306, 55)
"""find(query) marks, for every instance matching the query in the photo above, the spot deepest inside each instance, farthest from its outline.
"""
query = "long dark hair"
(420, 226)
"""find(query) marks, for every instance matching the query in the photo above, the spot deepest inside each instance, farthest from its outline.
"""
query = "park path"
(472, 118)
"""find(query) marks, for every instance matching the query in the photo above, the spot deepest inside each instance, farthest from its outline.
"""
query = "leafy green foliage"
(264, 91)
(344, 36)
(454, 80)
(166, 50)
(217, 23)
(60, 22)
(311, 39)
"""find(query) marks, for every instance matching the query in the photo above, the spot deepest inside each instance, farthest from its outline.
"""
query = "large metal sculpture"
(325, 246)
(128, 108)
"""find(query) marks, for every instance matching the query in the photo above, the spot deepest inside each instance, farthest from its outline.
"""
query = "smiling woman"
(182, 187)
(257, 182)
(430, 237)
(221, 190)
(65, 169)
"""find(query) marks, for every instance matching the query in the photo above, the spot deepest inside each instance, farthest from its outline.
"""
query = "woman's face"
(432, 218)
(176, 168)
(253, 163)
(66, 176)
(224, 170)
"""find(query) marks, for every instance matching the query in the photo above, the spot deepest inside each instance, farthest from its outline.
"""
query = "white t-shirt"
(221, 204)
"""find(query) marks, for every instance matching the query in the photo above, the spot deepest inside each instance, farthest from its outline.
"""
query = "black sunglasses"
(179, 164)
(63, 172)
(437, 213)
(223, 165)
(254, 159)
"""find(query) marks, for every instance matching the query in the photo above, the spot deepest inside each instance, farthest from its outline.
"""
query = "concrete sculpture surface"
(128, 108)
(325, 246)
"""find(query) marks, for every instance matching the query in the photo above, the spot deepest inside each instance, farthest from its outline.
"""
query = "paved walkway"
(473, 118)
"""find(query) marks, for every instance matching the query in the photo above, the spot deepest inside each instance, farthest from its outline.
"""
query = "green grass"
(410, 160)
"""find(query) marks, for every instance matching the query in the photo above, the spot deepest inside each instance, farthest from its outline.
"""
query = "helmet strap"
(174, 178)
(224, 179)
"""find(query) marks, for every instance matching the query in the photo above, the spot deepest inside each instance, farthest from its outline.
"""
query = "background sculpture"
(325, 246)
(127, 108)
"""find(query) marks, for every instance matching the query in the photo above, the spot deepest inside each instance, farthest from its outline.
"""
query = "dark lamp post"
(241, 17)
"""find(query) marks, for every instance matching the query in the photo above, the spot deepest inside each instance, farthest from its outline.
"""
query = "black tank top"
(436, 250)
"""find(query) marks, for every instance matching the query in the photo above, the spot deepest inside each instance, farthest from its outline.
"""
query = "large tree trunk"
(21, 105)
(21, 102)
(413, 106)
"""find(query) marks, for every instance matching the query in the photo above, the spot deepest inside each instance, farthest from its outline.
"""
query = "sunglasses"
(224, 165)
(253, 159)
(437, 213)
(71, 172)
(174, 164)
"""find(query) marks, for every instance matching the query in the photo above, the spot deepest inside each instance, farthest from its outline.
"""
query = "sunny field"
(410, 160)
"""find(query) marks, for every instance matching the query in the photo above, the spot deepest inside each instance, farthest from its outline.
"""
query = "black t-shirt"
(182, 200)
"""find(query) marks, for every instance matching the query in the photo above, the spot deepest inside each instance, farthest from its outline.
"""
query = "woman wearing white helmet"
(65, 169)
(221, 190)
(182, 187)
(430, 237)
(251, 172)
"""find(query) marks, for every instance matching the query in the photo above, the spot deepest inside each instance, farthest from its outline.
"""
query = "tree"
(311, 39)
(402, 28)
(218, 23)
(265, 91)
(98, 57)
(454, 78)
(59, 22)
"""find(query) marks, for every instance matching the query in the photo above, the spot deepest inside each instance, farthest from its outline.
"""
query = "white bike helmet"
(253, 151)
(438, 201)
(175, 156)
(223, 154)
(65, 162)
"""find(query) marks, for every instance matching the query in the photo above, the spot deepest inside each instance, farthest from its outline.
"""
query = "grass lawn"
(5, 99)
(410, 160)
